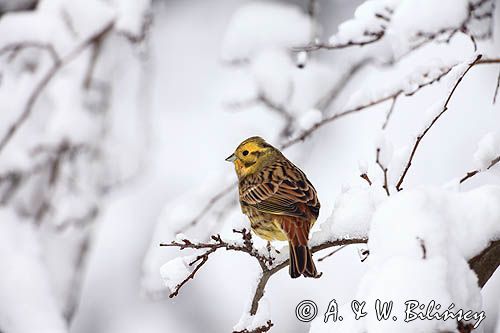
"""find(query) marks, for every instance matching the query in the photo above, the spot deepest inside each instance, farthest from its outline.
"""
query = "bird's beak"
(231, 158)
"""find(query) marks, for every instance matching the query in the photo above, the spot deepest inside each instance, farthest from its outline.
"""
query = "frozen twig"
(496, 88)
(332, 253)
(365, 177)
(389, 113)
(268, 264)
(384, 171)
(472, 173)
(426, 130)
(371, 37)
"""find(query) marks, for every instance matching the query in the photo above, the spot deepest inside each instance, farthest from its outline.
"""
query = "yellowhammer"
(278, 199)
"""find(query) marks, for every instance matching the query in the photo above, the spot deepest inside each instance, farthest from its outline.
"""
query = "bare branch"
(365, 177)
(496, 88)
(472, 173)
(40, 86)
(426, 130)
(269, 265)
(336, 116)
(384, 171)
(389, 113)
(371, 37)
(332, 253)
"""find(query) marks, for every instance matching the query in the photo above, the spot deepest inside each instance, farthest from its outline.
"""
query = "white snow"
(176, 270)
(352, 214)
(261, 25)
(488, 148)
(272, 75)
(424, 16)
(59, 23)
(364, 21)
(131, 16)
(309, 119)
(27, 303)
(420, 241)
(249, 322)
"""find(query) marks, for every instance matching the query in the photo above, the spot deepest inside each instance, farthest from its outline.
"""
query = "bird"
(279, 200)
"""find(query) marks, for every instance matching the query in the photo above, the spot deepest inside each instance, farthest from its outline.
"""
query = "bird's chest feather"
(265, 225)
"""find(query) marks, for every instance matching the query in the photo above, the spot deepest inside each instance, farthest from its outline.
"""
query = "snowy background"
(116, 117)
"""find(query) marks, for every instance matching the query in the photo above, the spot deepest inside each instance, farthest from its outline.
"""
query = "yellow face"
(251, 155)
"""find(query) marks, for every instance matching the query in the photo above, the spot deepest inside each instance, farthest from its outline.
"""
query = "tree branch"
(426, 130)
(384, 171)
(486, 263)
(472, 173)
(269, 265)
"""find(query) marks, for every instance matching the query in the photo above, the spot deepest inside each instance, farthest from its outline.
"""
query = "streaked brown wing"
(281, 189)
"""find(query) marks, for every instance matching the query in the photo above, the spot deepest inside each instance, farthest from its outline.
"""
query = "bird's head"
(252, 155)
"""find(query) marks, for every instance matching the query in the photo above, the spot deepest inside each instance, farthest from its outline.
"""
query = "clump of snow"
(27, 303)
(365, 21)
(301, 59)
(271, 70)
(249, 322)
(59, 23)
(261, 25)
(309, 119)
(131, 16)
(420, 242)
(487, 150)
(426, 73)
(362, 166)
(424, 16)
(176, 270)
(398, 162)
(352, 214)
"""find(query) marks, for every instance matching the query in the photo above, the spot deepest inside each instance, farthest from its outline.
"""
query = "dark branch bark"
(472, 173)
(486, 263)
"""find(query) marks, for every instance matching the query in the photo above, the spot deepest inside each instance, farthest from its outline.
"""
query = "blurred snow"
(488, 149)
(156, 119)
(259, 25)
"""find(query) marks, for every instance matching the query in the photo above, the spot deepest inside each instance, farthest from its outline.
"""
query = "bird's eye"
(245, 152)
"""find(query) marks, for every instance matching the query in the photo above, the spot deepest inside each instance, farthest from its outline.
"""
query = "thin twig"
(496, 88)
(336, 116)
(422, 135)
(269, 265)
(332, 253)
(372, 37)
(384, 170)
(472, 173)
(213, 200)
(389, 113)
(365, 177)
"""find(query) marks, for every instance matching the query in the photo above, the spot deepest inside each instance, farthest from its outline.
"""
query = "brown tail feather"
(301, 262)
